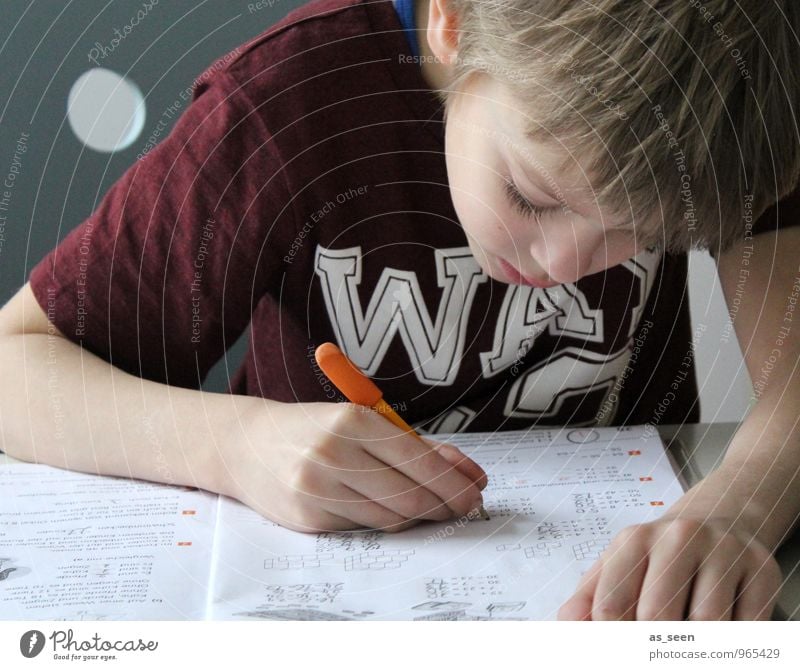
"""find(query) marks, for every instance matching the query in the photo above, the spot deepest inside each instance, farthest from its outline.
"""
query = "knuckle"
(414, 502)
(727, 551)
(327, 452)
(314, 453)
(730, 544)
(683, 531)
(341, 418)
(631, 535)
(304, 479)
(402, 503)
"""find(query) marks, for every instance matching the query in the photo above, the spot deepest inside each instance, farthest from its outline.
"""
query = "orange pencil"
(360, 389)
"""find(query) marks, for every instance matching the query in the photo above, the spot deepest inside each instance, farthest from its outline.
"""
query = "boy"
(517, 261)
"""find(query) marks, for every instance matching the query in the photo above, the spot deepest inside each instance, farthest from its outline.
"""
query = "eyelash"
(528, 209)
(522, 204)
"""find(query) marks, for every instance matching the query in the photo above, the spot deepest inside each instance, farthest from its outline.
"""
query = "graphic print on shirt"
(435, 344)
(529, 311)
(572, 373)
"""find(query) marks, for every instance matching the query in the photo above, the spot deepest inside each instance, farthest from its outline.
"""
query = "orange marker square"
(645, 479)
(189, 511)
(184, 544)
(657, 503)
(635, 452)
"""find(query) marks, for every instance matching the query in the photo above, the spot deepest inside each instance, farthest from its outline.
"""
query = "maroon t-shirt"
(304, 191)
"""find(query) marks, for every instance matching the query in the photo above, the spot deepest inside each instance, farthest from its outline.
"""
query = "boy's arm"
(61, 405)
(308, 466)
(757, 485)
(709, 556)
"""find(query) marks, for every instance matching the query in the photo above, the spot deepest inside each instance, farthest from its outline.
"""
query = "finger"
(579, 606)
(375, 480)
(758, 592)
(425, 466)
(667, 585)
(713, 592)
(619, 586)
(322, 521)
(715, 582)
(356, 508)
(461, 461)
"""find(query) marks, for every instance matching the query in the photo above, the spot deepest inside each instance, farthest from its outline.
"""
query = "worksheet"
(555, 499)
(81, 547)
(75, 546)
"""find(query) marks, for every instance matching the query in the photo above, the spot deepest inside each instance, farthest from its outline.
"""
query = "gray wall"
(44, 48)
(722, 377)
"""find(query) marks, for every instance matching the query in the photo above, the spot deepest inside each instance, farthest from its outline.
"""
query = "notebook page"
(75, 546)
(556, 498)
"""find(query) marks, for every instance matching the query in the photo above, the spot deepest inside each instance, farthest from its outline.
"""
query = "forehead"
(547, 157)
(547, 164)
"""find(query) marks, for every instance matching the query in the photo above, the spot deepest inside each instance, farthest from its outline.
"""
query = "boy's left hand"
(679, 568)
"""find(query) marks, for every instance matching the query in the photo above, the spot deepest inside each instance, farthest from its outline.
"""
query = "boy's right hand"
(338, 466)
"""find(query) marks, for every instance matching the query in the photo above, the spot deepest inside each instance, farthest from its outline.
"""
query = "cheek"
(484, 216)
(618, 248)
(472, 202)
(474, 174)
(480, 206)
(627, 248)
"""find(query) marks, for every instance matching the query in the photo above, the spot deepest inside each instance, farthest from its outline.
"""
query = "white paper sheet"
(75, 546)
(556, 498)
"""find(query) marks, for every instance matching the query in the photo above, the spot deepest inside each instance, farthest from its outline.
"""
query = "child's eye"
(522, 204)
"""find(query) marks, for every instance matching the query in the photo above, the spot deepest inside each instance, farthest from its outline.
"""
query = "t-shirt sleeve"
(163, 276)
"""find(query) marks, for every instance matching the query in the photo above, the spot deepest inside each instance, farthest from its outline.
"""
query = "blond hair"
(685, 108)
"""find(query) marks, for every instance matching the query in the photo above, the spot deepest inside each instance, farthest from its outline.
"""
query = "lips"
(516, 277)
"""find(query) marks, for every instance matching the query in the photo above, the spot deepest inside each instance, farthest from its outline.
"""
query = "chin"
(496, 273)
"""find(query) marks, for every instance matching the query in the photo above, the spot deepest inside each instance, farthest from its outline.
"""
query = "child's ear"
(442, 31)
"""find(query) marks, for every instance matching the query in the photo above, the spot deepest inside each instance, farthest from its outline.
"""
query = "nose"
(565, 248)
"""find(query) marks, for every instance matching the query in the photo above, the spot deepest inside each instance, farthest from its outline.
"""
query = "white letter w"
(434, 349)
